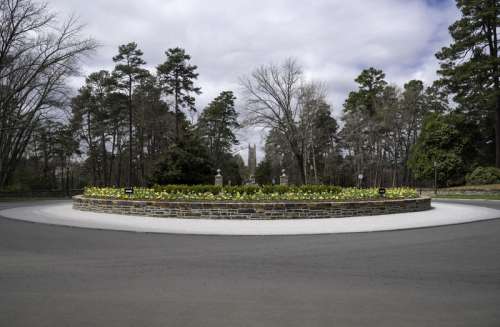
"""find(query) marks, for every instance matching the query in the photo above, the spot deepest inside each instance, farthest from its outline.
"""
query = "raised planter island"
(277, 203)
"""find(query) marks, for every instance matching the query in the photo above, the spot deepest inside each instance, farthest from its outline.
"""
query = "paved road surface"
(60, 276)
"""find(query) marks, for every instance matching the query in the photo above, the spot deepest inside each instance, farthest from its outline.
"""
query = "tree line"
(381, 138)
(390, 136)
(135, 126)
(130, 127)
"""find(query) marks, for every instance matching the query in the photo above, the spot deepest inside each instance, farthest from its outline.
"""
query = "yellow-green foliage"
(248, 193)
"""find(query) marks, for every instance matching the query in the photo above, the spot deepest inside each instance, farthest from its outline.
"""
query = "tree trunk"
(120, 159)
(112, 158)
(300, 163)
(104, 160)
(494, 54)
(91, 148)
(497, 131)
(315, 168)
(176, 103)
(129, 181)
(141, 155)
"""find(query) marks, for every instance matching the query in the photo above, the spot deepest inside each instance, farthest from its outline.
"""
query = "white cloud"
(333, 39)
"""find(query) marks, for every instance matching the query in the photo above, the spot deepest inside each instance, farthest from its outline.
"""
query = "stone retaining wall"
(254, 210)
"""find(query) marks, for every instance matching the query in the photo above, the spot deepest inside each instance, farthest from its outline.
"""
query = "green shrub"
(320, 189)
(280, 189)
(484, 175)
(246, 189)
(187, 189)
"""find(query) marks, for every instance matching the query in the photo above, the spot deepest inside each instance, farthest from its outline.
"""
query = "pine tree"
(371, 86)
(470, 65)
(128, 72)
(176, 78)
(217, 124)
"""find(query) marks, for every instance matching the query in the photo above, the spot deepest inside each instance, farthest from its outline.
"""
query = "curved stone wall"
(250, 210)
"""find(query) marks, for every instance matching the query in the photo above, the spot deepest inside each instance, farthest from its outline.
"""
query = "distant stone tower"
(252, 159)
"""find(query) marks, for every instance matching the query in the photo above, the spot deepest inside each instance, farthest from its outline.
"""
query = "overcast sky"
(332, 39)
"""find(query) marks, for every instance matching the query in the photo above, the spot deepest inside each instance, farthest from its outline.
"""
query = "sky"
(333, 40)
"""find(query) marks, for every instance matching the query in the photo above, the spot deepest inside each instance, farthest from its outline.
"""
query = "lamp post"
(360, 180)
(435, 177)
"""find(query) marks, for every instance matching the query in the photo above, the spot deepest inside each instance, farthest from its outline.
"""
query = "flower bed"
(250, 202)
(249, 193)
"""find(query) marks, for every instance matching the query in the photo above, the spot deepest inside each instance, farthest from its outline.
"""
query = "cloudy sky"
(332, 39)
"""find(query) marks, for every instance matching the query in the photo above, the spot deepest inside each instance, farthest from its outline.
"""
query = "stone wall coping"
(248, 203)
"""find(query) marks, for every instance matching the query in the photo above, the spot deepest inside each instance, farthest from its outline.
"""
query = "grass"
(489, 187)
(484, 192)
(468, 196)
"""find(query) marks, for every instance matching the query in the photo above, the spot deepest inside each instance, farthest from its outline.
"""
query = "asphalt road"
(61, 276)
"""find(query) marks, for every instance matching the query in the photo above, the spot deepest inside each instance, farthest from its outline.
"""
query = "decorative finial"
(283, 178)
(218, 178)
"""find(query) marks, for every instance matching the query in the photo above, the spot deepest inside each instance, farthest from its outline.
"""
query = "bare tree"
(36, 57)
(278, 98)
(312, 100)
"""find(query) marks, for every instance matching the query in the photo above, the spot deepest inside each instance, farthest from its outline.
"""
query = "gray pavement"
(63, 214)
(62, 276)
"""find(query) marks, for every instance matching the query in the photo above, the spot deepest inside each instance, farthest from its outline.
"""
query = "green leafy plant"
(249, 193)
(484, 175)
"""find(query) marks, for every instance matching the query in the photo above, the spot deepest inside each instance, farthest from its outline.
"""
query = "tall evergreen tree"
(371, 85)
(217, 124)
(186, 162)
(101, 84)
(128, 72)
(177, 77)
(154, 126)
(362, 116)
(470, 65)
(442, 142)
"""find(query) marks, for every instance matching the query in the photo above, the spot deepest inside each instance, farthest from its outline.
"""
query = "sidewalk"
(64, 214)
